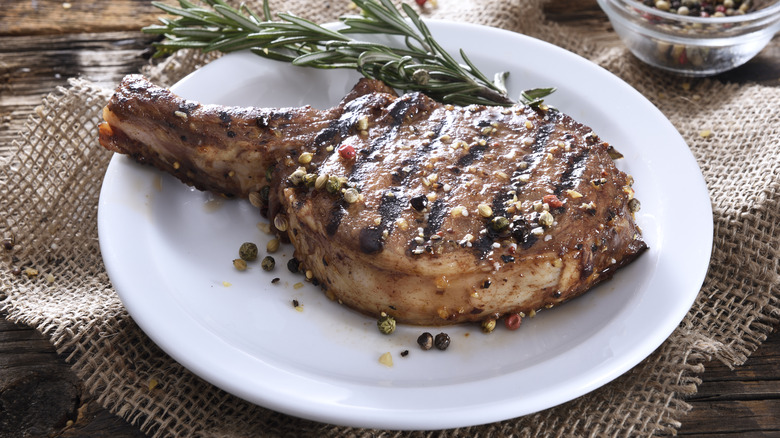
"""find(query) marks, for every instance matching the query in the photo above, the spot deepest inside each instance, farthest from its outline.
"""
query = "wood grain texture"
(43, 43)
(51, 17)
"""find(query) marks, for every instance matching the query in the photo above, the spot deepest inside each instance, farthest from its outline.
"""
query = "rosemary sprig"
(419, 64)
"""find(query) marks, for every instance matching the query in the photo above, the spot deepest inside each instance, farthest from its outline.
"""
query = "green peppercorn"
(248, 251)
(268, 263)
(499, 223)
(386, 324)
(269, 171)
(333, 185)
(309, 179)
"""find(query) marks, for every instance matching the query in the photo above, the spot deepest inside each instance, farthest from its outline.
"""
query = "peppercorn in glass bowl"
(693, 37)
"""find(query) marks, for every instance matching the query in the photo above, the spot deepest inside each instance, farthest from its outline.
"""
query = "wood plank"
(34, 66)
(41, 396)
(744, 401)
(56, 17)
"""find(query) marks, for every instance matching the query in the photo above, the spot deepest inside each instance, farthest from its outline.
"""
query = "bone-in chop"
(434, 214)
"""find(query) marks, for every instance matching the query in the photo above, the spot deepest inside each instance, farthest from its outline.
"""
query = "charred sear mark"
(328, 135)
(390, 207)
(371, 241)
(474, 153)
(372, 238)
(337, 213)
(543, 134)
(401, 108)
(500, 203)
(538, 151)
(436, 217)
(402, 176)
(573, 172)
(483, 245)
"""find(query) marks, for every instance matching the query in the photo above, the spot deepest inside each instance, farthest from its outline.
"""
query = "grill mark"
(372, 238)
(474, 153)
(537, 149)
(402, 178)
(327, 135)
(573, 172)
(437, 210)
(436, 217)
(484, 244)
(339, 128)
(336, 215)
(398, 111)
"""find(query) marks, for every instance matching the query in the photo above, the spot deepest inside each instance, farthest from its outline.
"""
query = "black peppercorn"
(442, 341)
(419, 202)
(293, 265)
(425, 341)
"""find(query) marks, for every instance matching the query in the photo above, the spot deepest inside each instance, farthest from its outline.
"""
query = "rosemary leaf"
(417, 62)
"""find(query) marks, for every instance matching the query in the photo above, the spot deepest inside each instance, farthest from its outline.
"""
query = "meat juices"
(434, 214)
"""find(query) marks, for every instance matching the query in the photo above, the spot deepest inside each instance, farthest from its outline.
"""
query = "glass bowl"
(692, 46)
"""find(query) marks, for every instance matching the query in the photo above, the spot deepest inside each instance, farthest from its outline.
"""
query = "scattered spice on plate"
(386, 359)
(239, 264)
(248, 251)
(425, 341)
(385, 324)
(513, 321)
(442, 341)
(268, 263)
(488, 325)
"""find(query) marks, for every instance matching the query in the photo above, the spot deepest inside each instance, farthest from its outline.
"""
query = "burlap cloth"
(51, 178)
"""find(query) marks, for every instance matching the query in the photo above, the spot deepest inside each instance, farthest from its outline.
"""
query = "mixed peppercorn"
(701, 8)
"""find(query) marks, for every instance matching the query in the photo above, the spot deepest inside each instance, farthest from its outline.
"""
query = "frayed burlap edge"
(732, 130)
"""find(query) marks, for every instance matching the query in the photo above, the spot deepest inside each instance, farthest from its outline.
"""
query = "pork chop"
(434, 214)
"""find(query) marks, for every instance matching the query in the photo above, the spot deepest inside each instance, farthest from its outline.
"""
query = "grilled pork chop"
(434, 214)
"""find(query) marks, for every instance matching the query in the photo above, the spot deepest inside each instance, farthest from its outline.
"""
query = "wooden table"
(45, 42)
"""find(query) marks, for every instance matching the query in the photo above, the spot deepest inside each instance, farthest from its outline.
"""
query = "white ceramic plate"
(168, 252)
